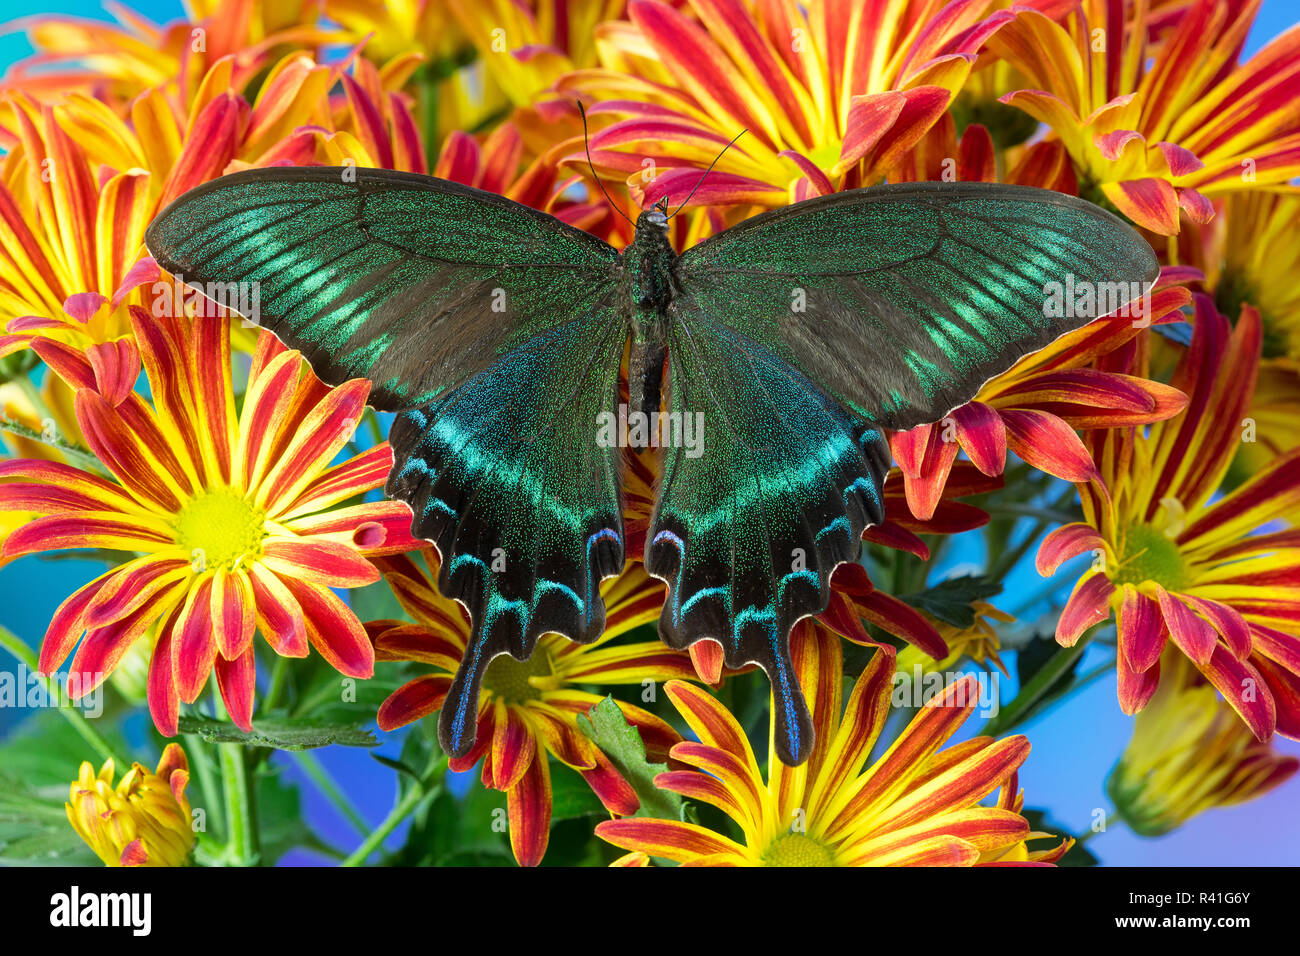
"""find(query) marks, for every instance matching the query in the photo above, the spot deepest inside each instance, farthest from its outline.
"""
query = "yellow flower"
(1189, 753)
(979, 642)
(143, 821)
(916, 805)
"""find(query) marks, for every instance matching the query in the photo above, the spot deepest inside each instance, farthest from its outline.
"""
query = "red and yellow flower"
(1189, 754)
(1160, 123)
(1179, 566)
(917, 805)
(116, 62)
(235, 517)
(528, 710)
(833, 94)
(143, 821)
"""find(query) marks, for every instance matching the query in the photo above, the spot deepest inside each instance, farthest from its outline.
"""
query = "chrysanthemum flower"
(1189, 754)
(234, 515)
(116, 62)
(832, 94)
(1252, 258)
(1177, 564)
(143, 821)
(528, 709)
(1159, 127)
(72, 225)
(916, 805)
(526, 47)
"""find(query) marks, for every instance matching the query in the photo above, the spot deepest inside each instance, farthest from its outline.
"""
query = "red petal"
(1141, 629)
(1066, 543)
(1089, 604)
(982, 436)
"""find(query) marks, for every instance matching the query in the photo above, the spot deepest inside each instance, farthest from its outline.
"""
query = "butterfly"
(770, 359)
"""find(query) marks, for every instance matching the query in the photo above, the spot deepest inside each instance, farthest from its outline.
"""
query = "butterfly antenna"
(700, 181)
(587, 145)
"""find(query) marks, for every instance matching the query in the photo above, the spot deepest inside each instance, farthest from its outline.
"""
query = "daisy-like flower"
(234, 516)
(116, 62)
(528, 710)
(915, 805)
(1189, 754)
(1250, 255)
(1252, 259)
(526, 47)
(143, 821)
(72, 227)
(1181, 567)
(1160, 127)
(833, 94)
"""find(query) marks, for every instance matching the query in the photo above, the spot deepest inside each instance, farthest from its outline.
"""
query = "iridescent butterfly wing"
(490, 329)
(800, 334)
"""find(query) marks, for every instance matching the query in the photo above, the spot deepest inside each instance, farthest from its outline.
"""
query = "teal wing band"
(506, 476)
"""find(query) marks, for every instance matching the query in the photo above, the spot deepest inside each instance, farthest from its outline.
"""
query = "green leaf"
(951, 600)
(48, 846)
(279, 733)
(605, 725)
(279, 814)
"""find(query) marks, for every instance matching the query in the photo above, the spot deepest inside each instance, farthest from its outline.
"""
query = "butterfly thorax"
(649, 284)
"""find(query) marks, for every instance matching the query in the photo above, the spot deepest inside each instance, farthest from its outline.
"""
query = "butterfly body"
(496, 332)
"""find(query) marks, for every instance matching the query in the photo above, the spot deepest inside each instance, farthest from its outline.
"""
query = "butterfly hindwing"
(901, 301)
(413, 282)
(507, 477)
(754, 515)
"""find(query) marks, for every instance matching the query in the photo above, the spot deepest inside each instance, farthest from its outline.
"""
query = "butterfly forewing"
(901, 301)
(412, 282)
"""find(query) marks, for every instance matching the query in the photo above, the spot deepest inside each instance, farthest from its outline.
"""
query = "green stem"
(242, 847)
(1036, 688)
(240, 823)
(328, 786)
(15, 646)
(404, 808)
(279, 672)
(197, 753)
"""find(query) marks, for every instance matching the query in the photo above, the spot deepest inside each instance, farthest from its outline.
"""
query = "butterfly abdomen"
(649, 285)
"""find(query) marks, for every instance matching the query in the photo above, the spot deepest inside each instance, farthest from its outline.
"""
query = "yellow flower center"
(219, 528)
(1150, 555)
(795, 849)
(508, 678)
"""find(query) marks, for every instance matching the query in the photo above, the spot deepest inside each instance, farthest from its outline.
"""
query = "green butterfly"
(791, 341)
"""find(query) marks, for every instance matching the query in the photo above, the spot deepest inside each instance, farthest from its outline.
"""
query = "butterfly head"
(656, 216)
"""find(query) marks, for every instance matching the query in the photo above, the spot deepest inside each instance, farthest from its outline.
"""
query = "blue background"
(1074, 744)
